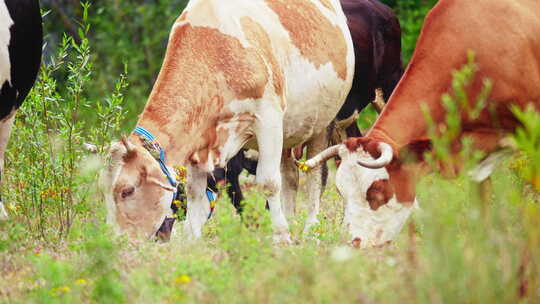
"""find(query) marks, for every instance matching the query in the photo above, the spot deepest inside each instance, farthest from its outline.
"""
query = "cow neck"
(178, 142)
(403, 119)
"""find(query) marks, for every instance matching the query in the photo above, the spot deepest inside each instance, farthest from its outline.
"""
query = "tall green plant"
(458, 106)
(527, 139)
(50, 176)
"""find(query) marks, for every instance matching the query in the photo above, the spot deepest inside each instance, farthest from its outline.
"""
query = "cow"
(264, 74)
(21, 40)
(376, 35)
(379, 171)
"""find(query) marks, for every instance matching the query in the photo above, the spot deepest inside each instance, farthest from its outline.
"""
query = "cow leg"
(314, 181)
(290, 175)
(269, 132)
(5, 131)
(198, 206)
(234, 190)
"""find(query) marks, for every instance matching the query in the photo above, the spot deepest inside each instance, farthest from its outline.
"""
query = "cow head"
(137, 193)
(378, 189)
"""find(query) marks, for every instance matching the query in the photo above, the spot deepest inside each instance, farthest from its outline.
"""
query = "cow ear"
(118, 151)
(415, 150)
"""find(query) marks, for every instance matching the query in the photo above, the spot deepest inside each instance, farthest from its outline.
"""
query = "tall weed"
(49, 174)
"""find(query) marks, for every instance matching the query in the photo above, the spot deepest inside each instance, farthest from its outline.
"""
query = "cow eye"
(127, 191)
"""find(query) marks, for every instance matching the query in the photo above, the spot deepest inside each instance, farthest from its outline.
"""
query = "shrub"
(50, 176)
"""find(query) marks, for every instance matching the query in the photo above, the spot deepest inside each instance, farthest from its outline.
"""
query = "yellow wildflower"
(81, 282)
(59, 291)
(49, 193)
(13, 208)
(183, 279)
(303, 167)
(181, 173)
(536, 182)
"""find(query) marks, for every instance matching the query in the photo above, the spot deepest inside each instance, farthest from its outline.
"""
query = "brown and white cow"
(375, 179)
(266, 74)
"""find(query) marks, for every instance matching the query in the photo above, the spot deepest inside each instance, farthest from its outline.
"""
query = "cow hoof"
(282, 239)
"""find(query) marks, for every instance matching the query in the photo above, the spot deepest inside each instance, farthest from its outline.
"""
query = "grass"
(454, 251)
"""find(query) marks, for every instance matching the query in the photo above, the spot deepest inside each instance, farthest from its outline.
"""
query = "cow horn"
(322, 157)
(379, 102)
(387, 154)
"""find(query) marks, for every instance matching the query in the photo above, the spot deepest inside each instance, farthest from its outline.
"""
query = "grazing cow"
(377, 177)
(21, 40)
(265, 74)
(376, 36)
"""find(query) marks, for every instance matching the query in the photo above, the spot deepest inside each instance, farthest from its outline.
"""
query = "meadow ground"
(455, 250)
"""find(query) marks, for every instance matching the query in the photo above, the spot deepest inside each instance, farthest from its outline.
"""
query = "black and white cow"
(21, 40)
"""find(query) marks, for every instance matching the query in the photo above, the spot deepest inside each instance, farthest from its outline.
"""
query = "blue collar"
(152, 140)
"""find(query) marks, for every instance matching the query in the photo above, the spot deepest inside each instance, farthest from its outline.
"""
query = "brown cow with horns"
(376, 182)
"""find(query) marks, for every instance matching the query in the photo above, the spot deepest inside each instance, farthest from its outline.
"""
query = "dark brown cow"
(505, 36)
(376, 35)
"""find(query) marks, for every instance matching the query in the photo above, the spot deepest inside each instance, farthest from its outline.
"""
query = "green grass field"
(455, 250)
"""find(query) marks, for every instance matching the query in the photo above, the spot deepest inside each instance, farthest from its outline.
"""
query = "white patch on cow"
(5, 131)
(251, 154)
(486, 167)
(314, 187)
(269, 132)
(198, 205)
(5, 36)
(373, 228)
(289, 185)
(3, 212)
